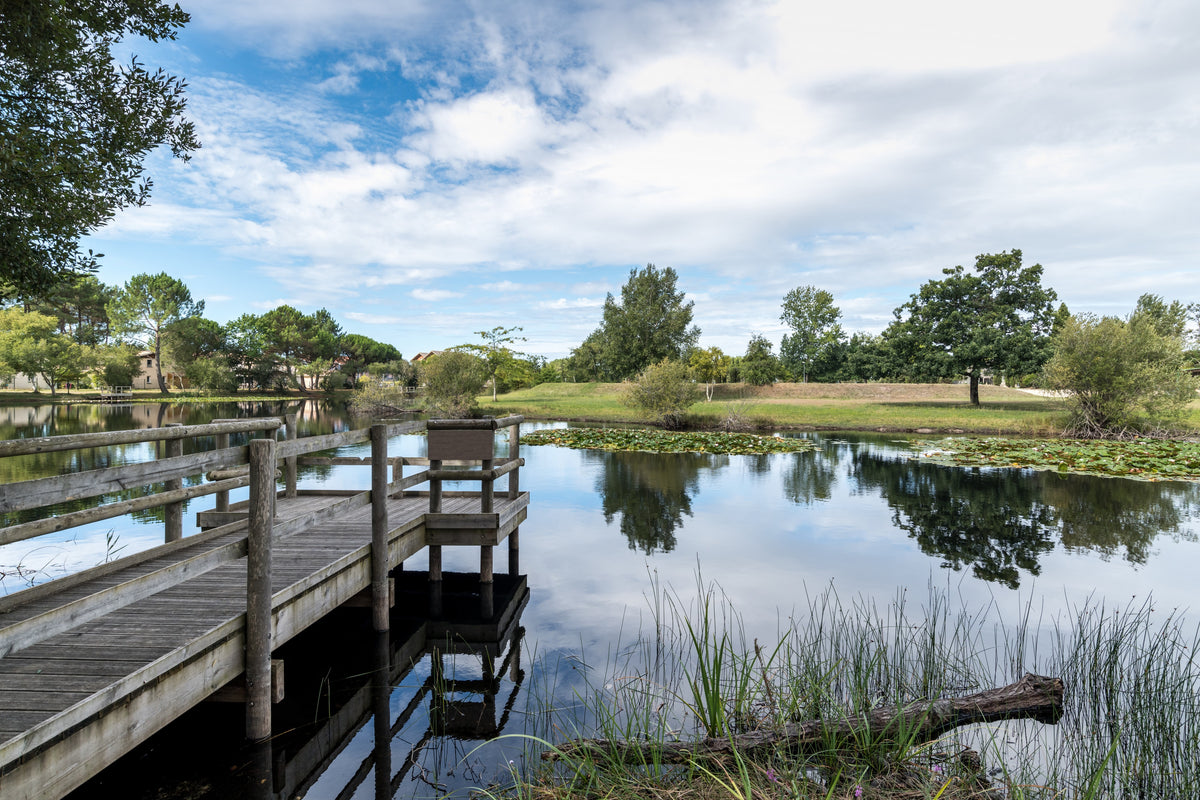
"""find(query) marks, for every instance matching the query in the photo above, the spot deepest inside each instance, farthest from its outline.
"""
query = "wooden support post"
(514, 660)
(258, 589)
(222, 443)
(289, 421)
(514, 552)
(514, 451)
(381, 702)
(379, 528)
(435, 563)
(487, 492)
(435, 488)
(486, 582)
(173, 512)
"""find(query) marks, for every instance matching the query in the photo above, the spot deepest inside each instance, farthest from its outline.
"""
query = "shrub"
(1125, 377)
(453, 381)
(664, 390)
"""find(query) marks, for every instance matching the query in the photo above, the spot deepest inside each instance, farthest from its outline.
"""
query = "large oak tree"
(998, 317)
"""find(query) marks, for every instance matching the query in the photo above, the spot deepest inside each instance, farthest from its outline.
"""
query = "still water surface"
(858, 514)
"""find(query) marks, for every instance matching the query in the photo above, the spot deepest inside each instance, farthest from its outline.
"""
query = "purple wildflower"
(858, 791)
(771, 775)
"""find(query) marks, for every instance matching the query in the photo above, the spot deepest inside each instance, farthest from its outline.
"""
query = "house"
(423, 356)
(147, 377)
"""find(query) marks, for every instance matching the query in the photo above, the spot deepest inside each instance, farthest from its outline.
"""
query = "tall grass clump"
(1130, 726)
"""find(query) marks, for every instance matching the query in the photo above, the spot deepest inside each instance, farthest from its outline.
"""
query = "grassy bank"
(1130, 723)
(926, 408)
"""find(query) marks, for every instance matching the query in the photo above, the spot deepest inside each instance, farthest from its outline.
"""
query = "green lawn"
(938, 408)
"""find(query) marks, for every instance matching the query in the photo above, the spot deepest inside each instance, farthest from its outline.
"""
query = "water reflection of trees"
(651, 493)
(810, 477)
(1001, 523)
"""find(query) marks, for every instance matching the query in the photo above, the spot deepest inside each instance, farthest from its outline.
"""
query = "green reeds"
(1130, 728)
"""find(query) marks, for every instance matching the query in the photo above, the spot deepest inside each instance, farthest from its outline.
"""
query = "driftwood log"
(1033, 697)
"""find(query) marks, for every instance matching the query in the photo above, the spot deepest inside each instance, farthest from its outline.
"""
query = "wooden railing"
(230, 467)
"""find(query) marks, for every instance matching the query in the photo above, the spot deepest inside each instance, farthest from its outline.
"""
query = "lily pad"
(656, 441)
(1141, 459)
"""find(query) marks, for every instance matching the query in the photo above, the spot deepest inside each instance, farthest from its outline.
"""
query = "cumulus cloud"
(753, 146)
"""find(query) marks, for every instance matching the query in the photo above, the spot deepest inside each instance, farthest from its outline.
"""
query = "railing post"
(221, 441)
(379, 528)
(514, 490)
(514, 451)
(173, 512)
(381, 696)
(289, 421)
(258, 589)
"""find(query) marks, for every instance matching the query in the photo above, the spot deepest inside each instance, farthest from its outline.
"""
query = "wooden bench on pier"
(94, 663)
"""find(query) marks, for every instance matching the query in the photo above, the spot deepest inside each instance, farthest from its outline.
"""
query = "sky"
(427, 169)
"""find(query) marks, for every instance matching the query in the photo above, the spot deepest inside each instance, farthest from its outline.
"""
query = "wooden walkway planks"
(142, 664)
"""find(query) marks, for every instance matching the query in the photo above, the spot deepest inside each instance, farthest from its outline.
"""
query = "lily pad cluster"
(1143, 459)
(656, 441)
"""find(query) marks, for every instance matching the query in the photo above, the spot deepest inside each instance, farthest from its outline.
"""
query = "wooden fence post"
(290, 462)
(379, 528)
(258, 589)
(381, 705)
(514, 490)
(173, 512)
(221, 441)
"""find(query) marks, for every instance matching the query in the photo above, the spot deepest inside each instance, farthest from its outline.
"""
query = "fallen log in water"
(1033, 697)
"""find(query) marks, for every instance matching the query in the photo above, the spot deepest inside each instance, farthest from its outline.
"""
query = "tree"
(664, 390)
(145, 309)
(649, 324)
(31, 345)
(813, 318)
(296, 340)
(495, 351)
(710, 366)
(759, 366)
(75, 128)
(116, 364)
(1123, 376)
(363, 351)
(453, 381)
(999, 319)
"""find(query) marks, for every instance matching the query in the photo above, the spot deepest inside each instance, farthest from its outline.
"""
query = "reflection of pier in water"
(461, 630)
(386, 700)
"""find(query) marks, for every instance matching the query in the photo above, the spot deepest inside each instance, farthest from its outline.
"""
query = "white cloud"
(565, 303)
(753, 146)
(433, 295)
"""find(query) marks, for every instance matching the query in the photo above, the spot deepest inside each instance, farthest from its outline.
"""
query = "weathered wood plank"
(93, 483)
(77, 441)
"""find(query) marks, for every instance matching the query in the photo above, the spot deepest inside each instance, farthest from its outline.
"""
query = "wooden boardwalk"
(92, 665)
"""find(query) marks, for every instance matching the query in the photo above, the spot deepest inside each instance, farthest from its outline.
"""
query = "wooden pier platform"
(93, 664)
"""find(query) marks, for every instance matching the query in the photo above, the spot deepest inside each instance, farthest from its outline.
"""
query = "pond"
(609, 534)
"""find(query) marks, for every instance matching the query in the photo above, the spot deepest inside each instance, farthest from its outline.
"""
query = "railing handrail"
(79, 441)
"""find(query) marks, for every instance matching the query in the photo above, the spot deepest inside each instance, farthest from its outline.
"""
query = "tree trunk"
(975, 387)
(162, 384)
(1033, 697)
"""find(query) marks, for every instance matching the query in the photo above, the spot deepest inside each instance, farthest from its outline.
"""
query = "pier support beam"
(289, 421)
(258, 589)
(222, 443)
(173, 512)
(379, 529)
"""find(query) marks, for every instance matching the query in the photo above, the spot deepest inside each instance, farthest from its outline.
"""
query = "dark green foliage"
(363, 351)
(651, 323)
(758, 367)
(813, 318)
(1123, 376)
(295, 340)
(999, 319)
(75, 127)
